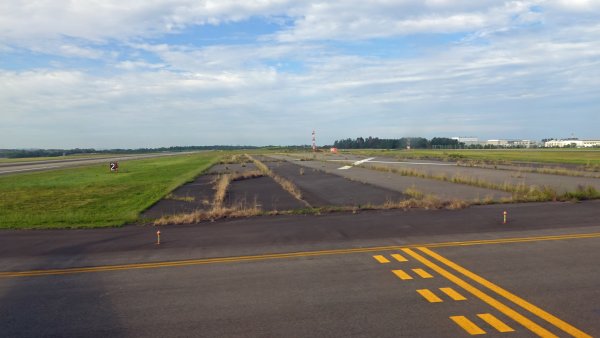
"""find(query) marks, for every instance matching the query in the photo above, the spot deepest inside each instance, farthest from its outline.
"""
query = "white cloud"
(519, 59)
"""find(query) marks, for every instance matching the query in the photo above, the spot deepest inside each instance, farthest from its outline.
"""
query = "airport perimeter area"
(309, 245)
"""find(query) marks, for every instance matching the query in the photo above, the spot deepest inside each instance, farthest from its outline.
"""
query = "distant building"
(498, 143)
(512, 143)
(572, 142)
(468, 141)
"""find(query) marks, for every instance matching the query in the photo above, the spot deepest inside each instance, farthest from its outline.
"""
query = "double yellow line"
(493, 302)
(154, 265)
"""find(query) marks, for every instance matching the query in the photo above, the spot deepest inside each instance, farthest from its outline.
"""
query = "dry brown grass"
(233, 159)
(286, 184)
(218, 211)
(521, 192)
(170, 196)
(221, 190)
(246, 175)
(210, 215)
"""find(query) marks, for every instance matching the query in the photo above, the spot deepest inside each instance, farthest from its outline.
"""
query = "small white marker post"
(504, 213)
(157, 237)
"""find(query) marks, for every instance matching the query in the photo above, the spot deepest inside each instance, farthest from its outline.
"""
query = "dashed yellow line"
(153, 265)
(495, 322)
(422, 273)
(402, 275)
(467, 325)
(399, 258)
(513, 298)
(430, 296)
(381, 259)
(453, 294)
(519, 318)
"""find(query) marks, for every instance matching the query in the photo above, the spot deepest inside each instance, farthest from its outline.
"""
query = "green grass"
(583, 157)
(92, 196)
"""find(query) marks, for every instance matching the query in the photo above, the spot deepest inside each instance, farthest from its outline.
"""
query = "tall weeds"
(520, 192)
(286, 184)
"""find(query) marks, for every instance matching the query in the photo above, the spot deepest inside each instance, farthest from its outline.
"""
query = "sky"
(152, 73)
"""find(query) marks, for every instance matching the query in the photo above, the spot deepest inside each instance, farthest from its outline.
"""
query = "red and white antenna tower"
(314, 141)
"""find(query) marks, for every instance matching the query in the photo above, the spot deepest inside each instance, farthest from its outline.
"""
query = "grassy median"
(92, 196)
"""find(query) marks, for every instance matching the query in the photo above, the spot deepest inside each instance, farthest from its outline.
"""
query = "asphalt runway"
(446, 190)
(262, 191)
(200, 191)
(323, 189)
(24, 167)
(375, 274)
(508, 174)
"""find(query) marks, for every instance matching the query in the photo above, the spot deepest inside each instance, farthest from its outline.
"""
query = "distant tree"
(444, 142)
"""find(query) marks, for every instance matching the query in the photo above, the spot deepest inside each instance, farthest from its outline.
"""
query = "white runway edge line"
(371, 160)
(363, 161)
(415, 163)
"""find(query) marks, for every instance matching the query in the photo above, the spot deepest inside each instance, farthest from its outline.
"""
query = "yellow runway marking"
(201, 261)
(430, 296)
(381, 259)
(535, 328)
(513, 298)
(467, 325)
(399, 258)
(453, 294)
(401, 274)
(495, 322)
(422, 273)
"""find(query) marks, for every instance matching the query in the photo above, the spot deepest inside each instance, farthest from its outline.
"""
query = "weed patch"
(284, 183)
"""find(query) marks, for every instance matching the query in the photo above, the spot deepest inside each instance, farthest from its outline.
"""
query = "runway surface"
(9, 168)
(373, 274)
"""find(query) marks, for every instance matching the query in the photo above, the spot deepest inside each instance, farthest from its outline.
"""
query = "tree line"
(400, 143)
(23, 153)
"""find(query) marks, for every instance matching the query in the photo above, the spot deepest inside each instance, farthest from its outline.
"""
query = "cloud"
(116, 84)
(118, 20)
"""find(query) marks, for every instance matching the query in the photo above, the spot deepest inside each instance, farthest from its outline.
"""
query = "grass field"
(582, 157)
(92, 196)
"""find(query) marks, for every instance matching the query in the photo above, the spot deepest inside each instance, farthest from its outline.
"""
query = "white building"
(573, 142)
(466, 140)
(511, 143)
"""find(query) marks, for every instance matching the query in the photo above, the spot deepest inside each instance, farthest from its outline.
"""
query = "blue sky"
(162, 73)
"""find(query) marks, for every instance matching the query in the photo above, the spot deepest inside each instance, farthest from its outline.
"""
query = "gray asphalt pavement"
(277, 276)
(24, 167)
